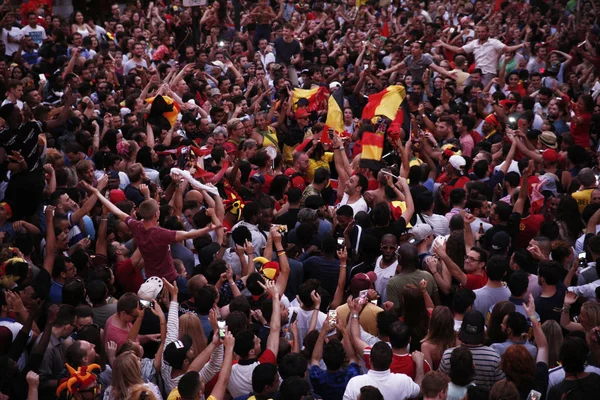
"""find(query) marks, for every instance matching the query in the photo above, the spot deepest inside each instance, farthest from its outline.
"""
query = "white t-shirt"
(303, 318)
(360, 205)
(131, 64)
(14, 33)
(38, 34)
(383, 276)
(391, 386)
(486, 54)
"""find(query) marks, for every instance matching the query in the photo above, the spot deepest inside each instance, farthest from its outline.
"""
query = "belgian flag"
(315, 97)
(389, 103)
(335, 115)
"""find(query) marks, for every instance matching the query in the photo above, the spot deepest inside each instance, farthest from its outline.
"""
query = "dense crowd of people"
(211, 200)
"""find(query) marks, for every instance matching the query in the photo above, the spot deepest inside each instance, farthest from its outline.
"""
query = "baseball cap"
(420, 232)
(472, 328)
(230, 147)
(258, 177)
(500, 241)
(301, 113)
(151, 288)
(219, 64)
(548, 139)
(550, 156)
(215, 92)
(176, 352)
(207, 254)
(458, 163)
(334, 85)
(116, 196)
(362, 281)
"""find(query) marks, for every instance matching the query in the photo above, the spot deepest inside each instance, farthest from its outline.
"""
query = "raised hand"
(570, 298)
(171, 288)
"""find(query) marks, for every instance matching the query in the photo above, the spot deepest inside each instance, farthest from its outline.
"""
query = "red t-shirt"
(154, 246)
(476, 281)
(528, 229)
(581, 132)
(268, 179)
(401, 363)
(130, 278)
(459, 183)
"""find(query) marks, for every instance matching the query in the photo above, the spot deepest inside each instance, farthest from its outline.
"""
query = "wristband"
(565, 308)
(533, 318)
(342, 265)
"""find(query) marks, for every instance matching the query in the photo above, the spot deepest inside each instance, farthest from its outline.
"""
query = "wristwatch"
(355, 316)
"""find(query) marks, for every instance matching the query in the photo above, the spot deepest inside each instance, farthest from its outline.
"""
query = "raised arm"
(194, 233)
(275, 323)
(338, 297)
(317, 353)
(540, 339)
(218, 392)
(105, 202)
(565, 319)
(101, 247)
(50, 240)
(455, 270)
(523, 191)
(355, 310)
(454, 49)
(284, 264)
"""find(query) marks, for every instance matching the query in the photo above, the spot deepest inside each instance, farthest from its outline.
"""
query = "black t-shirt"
(551, 307)
(584, 388)
(512, 228)
(25, 140)
(285, 51)
(540, 383)
(289, 218)
(184, 36)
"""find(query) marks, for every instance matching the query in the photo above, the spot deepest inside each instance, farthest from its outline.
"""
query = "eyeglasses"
(469, 258)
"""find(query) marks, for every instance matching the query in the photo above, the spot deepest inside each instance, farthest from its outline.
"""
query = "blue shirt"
(55, 292)
(331, 385)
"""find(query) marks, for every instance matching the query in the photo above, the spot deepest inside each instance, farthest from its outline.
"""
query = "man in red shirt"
(474, 276)
(152, 240)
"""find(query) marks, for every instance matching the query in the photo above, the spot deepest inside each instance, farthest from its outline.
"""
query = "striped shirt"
(487, 365)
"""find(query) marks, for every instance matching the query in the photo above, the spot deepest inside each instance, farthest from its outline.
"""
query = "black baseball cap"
(176, 352)
(472, 329)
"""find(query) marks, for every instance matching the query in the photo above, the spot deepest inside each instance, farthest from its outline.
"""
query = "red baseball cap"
(301, 113)
(230, 147)
(550, 156)
(116, 196)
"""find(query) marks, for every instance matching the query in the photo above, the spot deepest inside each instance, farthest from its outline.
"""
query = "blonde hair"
(141, 391)
(127, 372)
(54, 157)
(553, 333)
(592, 310)
(189, 324)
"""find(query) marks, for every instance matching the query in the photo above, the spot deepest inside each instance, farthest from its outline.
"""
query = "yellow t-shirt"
(316, 164)
(270, 137)
(174, 395)
(367, 320)
(583, 197)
